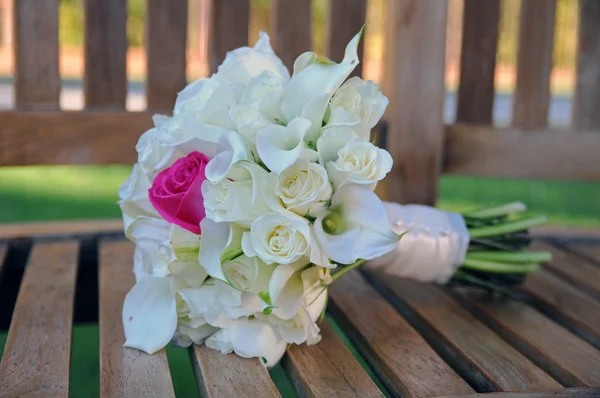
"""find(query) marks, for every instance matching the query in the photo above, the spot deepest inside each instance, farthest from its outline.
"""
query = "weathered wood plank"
(414, 83)
(66, 228)
(230, 375)
(565, 304)
(291, 29)
(563, 393)
(407, 365)
(485, 360)
(344, 20)
(475, 100)
(534, 64)
(568, 232)
(37, 80)
(3, 250)
(124, 372)
(38, 347)
(228, 29)
(105, 80)
(544, 153)
(567, 358)
(578, 271)
(590, 252)
(70, 137)
(586, 100)
(328, 369)
(166, 21)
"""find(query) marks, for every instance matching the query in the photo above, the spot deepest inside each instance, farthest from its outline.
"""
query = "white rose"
(248, 274)
(247, 120)
(358, 104)
(303, 188)
(359, 162)
(153, 156)
(356, 226)
(240, 198)
(193, 98)
(244, 63)
(250, 339)
(264, 92)
(276, 238)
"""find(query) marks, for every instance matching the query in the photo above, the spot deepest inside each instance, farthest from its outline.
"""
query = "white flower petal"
(215, 238)
(286, 289)
(231, 150)
(250, 339)
(332, 140)
(149, 315)
(280, 146)
(317, 78)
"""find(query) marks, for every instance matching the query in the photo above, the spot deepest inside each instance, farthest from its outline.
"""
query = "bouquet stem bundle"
(498, 255)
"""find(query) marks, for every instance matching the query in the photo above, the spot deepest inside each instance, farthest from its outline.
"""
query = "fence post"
(414, 82)
(586, 101)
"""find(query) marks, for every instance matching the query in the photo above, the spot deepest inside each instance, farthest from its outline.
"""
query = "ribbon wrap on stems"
(432, 250)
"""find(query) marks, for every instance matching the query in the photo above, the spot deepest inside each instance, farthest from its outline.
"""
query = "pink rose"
(176, 192)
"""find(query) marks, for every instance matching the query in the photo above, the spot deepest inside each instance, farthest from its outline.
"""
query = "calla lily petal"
(231, 150)
(279, 147)
(149, 315)
(317, 78)
(286, 289)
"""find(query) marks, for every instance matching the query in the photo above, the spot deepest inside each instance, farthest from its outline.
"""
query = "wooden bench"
(416, 340)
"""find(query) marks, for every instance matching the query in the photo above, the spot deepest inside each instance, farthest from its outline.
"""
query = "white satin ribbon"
(431, 251)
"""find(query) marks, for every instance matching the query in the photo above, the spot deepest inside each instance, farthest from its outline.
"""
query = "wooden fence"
(38, 132)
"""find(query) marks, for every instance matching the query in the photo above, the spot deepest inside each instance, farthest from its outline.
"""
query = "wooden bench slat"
(344, 20)
(572, 268)
(105, 81)
(475, 99)
(586, 100)
(570, 360)
(534, 63)
(564, 393)
(496, 365)
(37, 353)
(166, 48)
(590, 252)
(399, 355)
(228, 29)
(3, 250)
(37, 79)
(291, 27)
(70, 137)
(414, 83)
(221, 375)
(124, 371)
(328, 369)
(61, 228)
(566, 304)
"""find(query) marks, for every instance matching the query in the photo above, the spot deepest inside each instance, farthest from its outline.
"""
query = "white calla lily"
(250, 339)
(286, 289)
(231, 149)
(355, 227)
(316, 79)
(221, 242)
(149, 315)
(280, 146)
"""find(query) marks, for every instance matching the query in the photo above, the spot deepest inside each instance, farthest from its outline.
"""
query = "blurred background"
(55, 193)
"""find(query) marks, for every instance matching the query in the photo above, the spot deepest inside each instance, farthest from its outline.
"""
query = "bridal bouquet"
(257, 194)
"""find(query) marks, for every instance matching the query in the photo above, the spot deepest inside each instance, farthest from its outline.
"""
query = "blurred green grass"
(86, 192)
